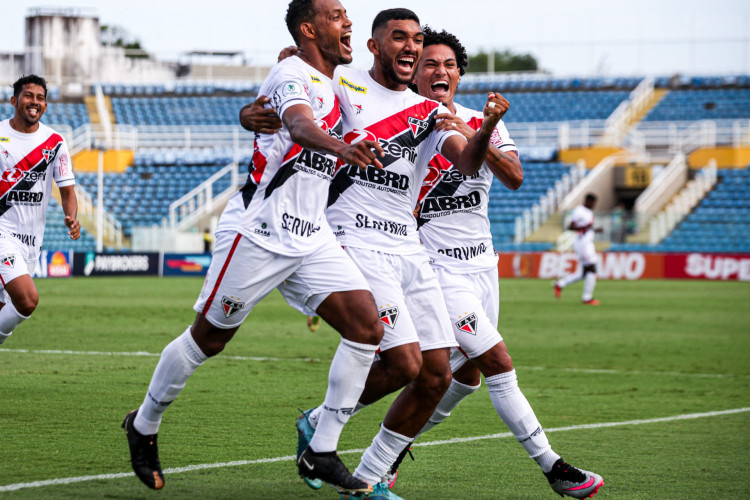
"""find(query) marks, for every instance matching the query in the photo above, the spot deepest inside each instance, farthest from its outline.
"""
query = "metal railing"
(111, 227)
(201, 200)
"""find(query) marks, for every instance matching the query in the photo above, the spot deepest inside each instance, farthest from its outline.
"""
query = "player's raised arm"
(467, 158)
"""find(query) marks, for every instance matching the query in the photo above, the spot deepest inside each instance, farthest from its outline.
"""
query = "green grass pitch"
(652, 350)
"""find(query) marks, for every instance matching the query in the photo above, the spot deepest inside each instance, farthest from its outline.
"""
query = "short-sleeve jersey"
(374, 208)
(282, 205)
(583, 217)
(453, 222)
(28, 164)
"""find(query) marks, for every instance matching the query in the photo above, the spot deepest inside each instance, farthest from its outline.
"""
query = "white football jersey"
(374, 208)
(583, 217)
(28, 164)
(282, 205)
(453, 222)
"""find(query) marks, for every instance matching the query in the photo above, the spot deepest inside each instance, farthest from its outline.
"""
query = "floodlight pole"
(100, 203)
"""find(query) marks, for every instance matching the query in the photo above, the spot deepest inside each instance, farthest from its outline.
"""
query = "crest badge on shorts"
(468, 324)
(388, 316)
(231, 306)
(8, 261)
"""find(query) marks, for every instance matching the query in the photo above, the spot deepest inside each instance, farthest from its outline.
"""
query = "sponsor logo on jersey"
(468, 324)
(380, 179)
(4, 139)
(26, 239)
(465, 202)
(24, 198)
(386, 226)
(464, 253)
(231, 306)
(417, 126)
(358, 135)
(298, 226)
(356, 88)
(389, 315)
(263, 231)
(315, 79)
(8, 261)
(291, 89)
(318, 162)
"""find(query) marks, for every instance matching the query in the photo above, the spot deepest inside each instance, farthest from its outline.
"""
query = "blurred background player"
(273, 234)
(31, 156)
(582, 221)
(455, 229)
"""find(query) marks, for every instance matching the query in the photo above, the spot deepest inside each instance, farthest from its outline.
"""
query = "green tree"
(504, 61)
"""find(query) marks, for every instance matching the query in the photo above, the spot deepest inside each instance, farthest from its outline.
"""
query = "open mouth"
(33, 111)
(440, 87)
(405, 63)
(346, 41)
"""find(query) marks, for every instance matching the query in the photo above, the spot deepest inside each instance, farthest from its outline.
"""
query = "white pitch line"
(190, 468)
(256, 358)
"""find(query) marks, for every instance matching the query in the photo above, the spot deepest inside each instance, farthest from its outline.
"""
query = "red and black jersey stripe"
(38, 161)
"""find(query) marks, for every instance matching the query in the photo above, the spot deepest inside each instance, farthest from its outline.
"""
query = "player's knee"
(369, 330)
(26, 305)
(404, 368)
(434, 382)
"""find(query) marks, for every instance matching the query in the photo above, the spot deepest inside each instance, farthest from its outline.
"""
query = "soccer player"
(371, 214)
(31, 156)
(455, 229)
(273, 234)
(582, 221)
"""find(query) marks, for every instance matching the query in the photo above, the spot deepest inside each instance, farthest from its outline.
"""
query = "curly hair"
(432, 37)
(27, 80)
(298, 12)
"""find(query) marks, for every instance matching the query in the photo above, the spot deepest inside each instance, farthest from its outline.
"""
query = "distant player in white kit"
(582, 221)
(273, 234)
(31, 156)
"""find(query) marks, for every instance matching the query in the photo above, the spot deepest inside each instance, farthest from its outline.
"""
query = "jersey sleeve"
(501, 139)
(62, 167)
(440, 136)
(289, 86)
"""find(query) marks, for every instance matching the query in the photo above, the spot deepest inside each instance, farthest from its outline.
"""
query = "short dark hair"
(299, 11)
(591, 197)
(27, 80)
(392, 15)
(432, 37)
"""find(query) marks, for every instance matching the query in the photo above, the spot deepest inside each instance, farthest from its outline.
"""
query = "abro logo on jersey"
(380, 177)
(316, 161)
(445, 203)
(24, 197)
(468, 324)
(388, 316)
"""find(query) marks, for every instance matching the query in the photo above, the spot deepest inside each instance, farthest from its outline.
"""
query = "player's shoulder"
(351, 79)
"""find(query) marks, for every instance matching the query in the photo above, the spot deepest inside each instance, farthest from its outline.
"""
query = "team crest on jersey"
(231, 305)
(468, 324)
(9, 261)
(417, 126)
(388, 316)
(49, 154)
(357, 108)
(320, 102)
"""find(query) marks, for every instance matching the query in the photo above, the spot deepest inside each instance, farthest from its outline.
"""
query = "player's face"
(400, 46)
(334, 31)
(30, 104)
(437, 73)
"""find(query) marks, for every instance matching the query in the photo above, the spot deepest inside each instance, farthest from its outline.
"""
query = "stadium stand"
(711, 104)
(58, 113)
(719, 223)
(177, 110)
(56, 234)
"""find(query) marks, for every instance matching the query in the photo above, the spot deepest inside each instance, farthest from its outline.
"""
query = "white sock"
(515, 411)
(346, 381)
(570, 278)
(10, 318)
(589, 283)
(381, 454)
(455, 394)
(178, 361)
(315, 414)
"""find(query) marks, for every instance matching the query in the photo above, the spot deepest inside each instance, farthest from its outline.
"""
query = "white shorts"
(242, 273)
(13, 262)
(586, 251)
(410, 302)
(473, 302)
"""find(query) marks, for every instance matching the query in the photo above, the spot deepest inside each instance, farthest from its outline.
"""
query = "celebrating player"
(273, 234)
(31, 155)
(582, 221)
(455, 229)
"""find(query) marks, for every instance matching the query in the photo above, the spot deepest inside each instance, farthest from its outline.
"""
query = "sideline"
(189, 468)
